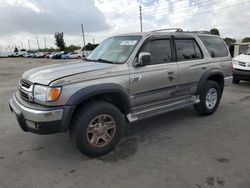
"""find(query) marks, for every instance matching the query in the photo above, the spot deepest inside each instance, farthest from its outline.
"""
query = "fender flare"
(90, 91)
(206, 75)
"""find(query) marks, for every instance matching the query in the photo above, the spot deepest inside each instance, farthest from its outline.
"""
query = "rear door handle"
(171, 72)
(136, 79)
(203, 68)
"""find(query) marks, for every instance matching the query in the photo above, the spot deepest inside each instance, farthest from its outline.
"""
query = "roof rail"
(168, 29)
(200, 32)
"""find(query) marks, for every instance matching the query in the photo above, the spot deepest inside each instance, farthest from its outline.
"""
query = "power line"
(164, 11)
(225, 7)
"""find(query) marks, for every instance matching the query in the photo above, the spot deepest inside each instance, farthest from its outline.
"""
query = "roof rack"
(168, 29)
(200, 32)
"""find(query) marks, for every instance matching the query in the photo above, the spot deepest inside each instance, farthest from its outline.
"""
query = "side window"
(187, 49)
(160, 51)
(215, 46)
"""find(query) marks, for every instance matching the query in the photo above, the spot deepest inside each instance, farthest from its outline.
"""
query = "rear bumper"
(47, 121)
(241, 74)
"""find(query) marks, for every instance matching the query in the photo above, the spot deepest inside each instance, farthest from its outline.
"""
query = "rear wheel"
(209, 98)
(236, 81)
(97, 128)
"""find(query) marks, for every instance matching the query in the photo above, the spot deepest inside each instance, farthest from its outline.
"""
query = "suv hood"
(47, 74)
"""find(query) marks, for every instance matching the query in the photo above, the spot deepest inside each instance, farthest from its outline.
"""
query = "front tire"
(209, 98)
(97, 128)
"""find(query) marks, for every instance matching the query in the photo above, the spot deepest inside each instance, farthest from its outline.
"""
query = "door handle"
(204, 67)
(136, 79)
(171, 72)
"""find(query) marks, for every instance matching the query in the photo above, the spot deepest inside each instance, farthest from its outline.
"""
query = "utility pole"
(29, 44)
(45, 43)
(140, 17)
(37, 43)
(83, 36)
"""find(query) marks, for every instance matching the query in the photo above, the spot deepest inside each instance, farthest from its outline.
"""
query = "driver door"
(154, 82)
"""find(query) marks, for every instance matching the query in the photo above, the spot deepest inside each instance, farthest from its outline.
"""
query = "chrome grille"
(24, 95)
(25, 83)
(26, 90)
(242, 64)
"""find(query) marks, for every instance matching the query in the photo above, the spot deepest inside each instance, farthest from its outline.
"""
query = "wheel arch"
(215, 75)
(112, 93)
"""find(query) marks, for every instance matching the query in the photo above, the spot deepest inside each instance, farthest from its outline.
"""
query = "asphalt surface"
(174, 150)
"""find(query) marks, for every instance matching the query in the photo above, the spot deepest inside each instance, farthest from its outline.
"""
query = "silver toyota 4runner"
(125, 79)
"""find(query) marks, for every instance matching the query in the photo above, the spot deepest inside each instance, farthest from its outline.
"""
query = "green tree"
(246, 39)
(90, 47)
(59, 41)
(229, 40)
(16, 49)
(215, 31)
(72, 48)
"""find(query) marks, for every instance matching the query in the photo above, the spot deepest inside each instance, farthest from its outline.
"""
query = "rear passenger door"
(190, 63)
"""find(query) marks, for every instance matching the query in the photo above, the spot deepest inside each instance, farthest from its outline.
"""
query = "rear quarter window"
(215, 46)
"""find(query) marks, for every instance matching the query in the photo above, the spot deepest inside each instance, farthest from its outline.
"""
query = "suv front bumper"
(47, 120)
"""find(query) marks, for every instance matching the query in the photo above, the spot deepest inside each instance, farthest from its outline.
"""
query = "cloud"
(47, 17)
(25, 19)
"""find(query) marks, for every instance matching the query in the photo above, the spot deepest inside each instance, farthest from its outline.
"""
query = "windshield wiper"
(100, 60)
(105, 61)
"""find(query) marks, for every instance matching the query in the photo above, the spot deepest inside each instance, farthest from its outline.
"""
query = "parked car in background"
(19, 54)
(241, 65)
(72, 55)
(52, 55)
(29, 54)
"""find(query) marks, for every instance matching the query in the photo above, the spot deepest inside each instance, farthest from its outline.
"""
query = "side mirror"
(144, 59)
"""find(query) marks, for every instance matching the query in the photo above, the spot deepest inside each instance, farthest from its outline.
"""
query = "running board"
(163, 108)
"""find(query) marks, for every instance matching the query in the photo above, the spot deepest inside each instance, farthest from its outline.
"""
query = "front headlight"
(235, 62)
(46, 94)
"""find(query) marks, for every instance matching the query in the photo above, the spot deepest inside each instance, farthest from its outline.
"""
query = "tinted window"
(160, 51)
(187, 49)
(215, 46)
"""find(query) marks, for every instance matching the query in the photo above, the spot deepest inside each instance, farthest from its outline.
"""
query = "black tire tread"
(80, 122)
(201, 108)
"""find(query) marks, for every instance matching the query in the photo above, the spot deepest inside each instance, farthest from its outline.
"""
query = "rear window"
(215, 46)
(187, 49)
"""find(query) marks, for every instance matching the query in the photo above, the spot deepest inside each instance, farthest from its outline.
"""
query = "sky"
(23, 20)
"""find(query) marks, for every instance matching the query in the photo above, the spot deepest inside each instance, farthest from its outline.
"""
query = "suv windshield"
(115, 49)
(247, 52)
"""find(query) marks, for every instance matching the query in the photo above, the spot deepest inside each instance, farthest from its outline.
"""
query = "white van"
(241, 65)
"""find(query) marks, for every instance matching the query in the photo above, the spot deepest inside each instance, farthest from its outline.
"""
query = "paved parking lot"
(178, 149)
